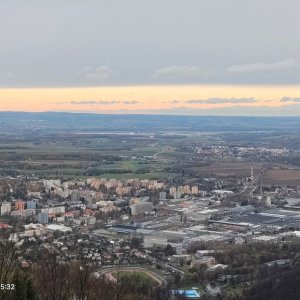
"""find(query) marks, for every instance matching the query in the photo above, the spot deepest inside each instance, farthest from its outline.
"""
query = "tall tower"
(261, 190)
(252, 174)
(252, 181)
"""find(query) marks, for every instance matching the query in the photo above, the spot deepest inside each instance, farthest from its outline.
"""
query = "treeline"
(282, 286)
(254, 270)
(100, 171)
(50, 278)
(279, 286)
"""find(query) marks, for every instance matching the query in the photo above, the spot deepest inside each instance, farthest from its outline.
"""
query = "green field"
(138, 276)
(73, 156)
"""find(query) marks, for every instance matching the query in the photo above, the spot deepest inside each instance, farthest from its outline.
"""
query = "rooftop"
(61, 228)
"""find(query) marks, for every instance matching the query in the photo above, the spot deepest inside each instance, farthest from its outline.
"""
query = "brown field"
(228, 169)
(282, 177)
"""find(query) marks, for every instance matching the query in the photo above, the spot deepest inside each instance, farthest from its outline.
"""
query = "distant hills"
(61, 121)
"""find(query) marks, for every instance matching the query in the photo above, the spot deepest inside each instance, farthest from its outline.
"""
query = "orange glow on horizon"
(147, 97)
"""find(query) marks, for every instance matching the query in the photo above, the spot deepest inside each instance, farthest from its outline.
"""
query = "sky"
(222, 57)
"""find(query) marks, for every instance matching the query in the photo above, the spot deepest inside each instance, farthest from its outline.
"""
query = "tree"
(245, 202)
(52, 278)
(8, 266)
(23, 286)
(169, 251)
(177, 279)
(136, 242)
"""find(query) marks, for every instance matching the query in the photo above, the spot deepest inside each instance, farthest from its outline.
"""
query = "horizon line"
(147, 114)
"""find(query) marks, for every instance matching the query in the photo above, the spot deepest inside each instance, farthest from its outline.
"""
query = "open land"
(150, 202)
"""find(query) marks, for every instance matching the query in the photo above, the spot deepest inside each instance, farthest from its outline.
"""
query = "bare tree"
(51, 278)
(8, 267)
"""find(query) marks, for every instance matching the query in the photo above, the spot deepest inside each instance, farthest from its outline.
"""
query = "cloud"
(97, 102)
(98, 73)
(92, 102)
(171, 101)
(283, 65)
(181, 72)
(130, 102)
(222, 101)
(7, 75)
(289, 99)
(279, 72)
(214, 101)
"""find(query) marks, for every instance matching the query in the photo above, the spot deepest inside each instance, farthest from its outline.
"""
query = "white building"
(138, 209)
(162, 195)
(173, 191)
(5, 208)
(75, 196)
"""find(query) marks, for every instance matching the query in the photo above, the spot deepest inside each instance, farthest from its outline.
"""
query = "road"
(249, 189)
(160, 152)
(175, 269)
(258, 177)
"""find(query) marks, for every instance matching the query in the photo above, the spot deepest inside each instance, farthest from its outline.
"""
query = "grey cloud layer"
(100, 73)
(97, 102)
(132, 102)
(290, 100)
(285, 65)
(267, 71)
(223, 101)
(215, 101)
(182, 72)
(212, 101)
(104, 42)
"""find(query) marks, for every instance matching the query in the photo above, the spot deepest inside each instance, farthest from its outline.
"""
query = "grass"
(235, 291)
(142, 276)
(72, 156)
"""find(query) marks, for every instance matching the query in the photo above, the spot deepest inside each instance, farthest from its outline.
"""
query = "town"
(149, 150)
(179, 231)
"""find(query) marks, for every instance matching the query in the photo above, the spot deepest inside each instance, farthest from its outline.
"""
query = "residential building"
(138, 209)
(43, 218)
(31, 205)
(5, 208)
(20, 205)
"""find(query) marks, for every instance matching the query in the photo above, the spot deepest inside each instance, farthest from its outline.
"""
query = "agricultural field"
(282, 177)
(227, 169)
(82, 150)
(84, 155)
